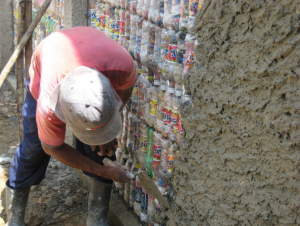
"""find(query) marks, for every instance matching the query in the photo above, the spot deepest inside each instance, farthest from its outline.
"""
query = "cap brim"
(102, 135)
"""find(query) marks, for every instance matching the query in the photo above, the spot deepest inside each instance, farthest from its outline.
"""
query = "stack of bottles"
(160, 36)
(52, 20)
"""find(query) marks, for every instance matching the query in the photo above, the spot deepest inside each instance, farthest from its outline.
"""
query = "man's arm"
(125, 94)
(69, 156)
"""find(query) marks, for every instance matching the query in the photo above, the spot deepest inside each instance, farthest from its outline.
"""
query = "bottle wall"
(160, 37)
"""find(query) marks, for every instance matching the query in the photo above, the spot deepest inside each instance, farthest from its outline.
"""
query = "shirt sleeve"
(51, 130)
(127, 79)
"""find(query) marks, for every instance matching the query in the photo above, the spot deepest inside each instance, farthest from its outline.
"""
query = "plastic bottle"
(157, 47)
(138, 196)
(151, 210)
(175, 110)
(133, 6)
(145, 42)
(160, 108)
(145, 10)
(144, 201)
(167, 13)
(139, 8)
(189, 53)
(193, 7)
(133, 33)
(160, 13)
(172, 152)
(149, 154)
(156, 153)
(163, 168)
(143, 144)
(127, 29)
(153, 10)
(168, 105)
(127, 185)
(137, 52)
(134, 170)
(151, 45)
(158, 206)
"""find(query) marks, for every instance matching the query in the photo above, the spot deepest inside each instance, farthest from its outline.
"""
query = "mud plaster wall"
(240, 162)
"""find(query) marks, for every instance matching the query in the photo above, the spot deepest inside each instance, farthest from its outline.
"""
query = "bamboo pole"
(23, 42)
(28, 47)
(20, 66)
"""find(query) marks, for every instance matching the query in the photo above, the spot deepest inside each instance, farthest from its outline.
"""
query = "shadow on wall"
(240, 164)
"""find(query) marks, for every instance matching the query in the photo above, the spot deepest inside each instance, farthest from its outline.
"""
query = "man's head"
(86, 101)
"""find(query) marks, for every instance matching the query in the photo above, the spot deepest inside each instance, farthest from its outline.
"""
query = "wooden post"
(20, 66)
(23, 42)
(28, 47)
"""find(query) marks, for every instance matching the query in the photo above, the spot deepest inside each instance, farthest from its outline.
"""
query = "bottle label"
(172, 53)
(190, 60)
(143, 143)
(193, 7)
(155, 165)
(168, 117)
(171, 159)
(156, 151)
(153, 104)
(138, 194)
(93, 16)
(121, 27)
(175, 22)
(105, 22)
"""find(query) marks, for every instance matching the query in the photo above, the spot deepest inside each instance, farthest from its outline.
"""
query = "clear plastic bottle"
(133, 33)
(160, 108)
(189, 53)
(138, 196)
(143, 144)
(157, 47)
(167, 13)
(168, 105)
(163, 168)
(140, 6)
(127, 185)
(153, 10)
(172, 153)
(160, 14)
(151, 210)
(145, 10)
(145, 42)
(144, 201)
(176, 99)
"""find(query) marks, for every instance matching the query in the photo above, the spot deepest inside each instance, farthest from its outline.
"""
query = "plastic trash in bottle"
(156, 152)
(189, 53)
(144, 201)
(145, 42)
(151, 210)
(153, 10)
(160, 14)
(139, 8)
(167, 13)
(163, 167)
(133, 6)
(138, 196)
(145, 10)
(172, 152)
(193, 7)
(127, 185)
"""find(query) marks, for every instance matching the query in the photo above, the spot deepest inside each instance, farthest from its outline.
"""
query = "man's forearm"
(69, 156)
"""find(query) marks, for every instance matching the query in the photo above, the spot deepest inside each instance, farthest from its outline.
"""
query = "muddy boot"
(98, 203)
(16, 201)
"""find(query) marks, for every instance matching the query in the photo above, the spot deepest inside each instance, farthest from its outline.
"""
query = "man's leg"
(28, 167)
(100, 189)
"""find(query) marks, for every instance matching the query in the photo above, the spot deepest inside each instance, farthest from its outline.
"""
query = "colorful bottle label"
(190, 60)
(193, 7)
(155, 164)
(143, 143)
(121, 27)
(172, 53)
(156, 151)
(171, 159)
(175, 22)
(93, 16)
(153, 104)
(167, 115)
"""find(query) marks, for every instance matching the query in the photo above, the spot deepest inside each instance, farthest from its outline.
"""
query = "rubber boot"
(99, 197)
(16, 201)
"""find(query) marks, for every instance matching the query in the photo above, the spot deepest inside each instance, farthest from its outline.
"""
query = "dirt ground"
(60, 199)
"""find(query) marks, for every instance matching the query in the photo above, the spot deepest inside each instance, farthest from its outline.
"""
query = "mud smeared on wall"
(240, 162)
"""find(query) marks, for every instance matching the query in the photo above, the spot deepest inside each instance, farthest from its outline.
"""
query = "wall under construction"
(240, 162)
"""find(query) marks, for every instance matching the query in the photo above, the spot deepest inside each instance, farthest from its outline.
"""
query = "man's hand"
(107, 149)
(118, 174)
